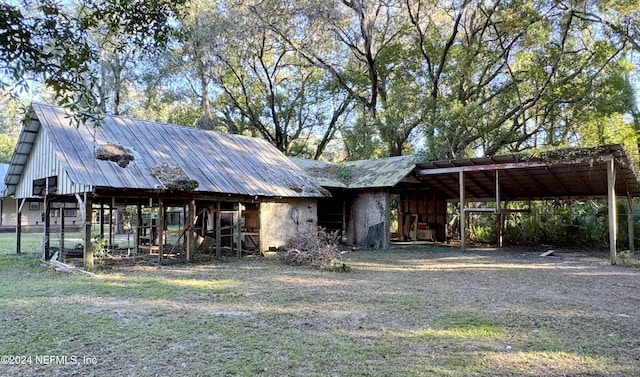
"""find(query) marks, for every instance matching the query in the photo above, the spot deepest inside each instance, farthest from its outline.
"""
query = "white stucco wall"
(281, 221)
(368, 208)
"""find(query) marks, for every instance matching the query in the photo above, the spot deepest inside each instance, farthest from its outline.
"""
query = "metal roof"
(219, 162)
(568, 173)
(377, 173)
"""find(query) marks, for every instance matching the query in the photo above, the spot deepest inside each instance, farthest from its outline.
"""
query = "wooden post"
(160, 230)
(190, 239)
(632, 245)
(611, 201)
(102, 220)
(239, 231)
(47, 228)
(500, 228)
(62, 253)
(218, 232)
(19, 225)
(499, 216)
(111, 223)
(88, 246)
(139, 227)
(463, 245)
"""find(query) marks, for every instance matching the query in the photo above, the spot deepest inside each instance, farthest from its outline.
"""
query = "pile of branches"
(174, 178)
(115, 153)
(316, 249)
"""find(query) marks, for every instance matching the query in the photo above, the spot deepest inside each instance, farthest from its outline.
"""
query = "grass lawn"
(413, 311)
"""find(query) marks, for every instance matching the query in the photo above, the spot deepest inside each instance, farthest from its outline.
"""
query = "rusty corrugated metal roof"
(382, 172)
(219, 162)
(563, 173)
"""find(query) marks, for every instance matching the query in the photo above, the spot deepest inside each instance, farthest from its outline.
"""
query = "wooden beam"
(501, 166)
(88, 246)
(160, 230)
(632, 246)
(190, 239)
(139, 226)
(218, 231)
(19, 225)
(63, 255)
(47, 226)
(611, 201)
(238, 232)
(463, 245)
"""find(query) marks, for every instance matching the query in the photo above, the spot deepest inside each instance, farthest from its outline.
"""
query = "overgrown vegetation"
(625, 258)
(559, 223)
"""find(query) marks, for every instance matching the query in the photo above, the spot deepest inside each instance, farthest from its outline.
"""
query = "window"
(34, 206)
(70, 212)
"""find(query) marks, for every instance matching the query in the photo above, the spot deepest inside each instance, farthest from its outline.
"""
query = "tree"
(44, 40)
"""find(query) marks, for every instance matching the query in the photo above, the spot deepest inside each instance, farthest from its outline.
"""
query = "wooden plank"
(161, 215)
(547, 253)
(218, 231)
(19, 225)
(88, 246)
(611, 201)
(632, 246)
(463, 245)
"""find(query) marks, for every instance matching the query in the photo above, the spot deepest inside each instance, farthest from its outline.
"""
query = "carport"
(576, 173)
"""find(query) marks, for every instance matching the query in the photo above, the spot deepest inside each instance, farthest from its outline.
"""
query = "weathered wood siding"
(368, 208)
(282, 221)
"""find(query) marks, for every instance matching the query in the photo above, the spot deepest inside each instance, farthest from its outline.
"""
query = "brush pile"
(316, 249)
(174, 178)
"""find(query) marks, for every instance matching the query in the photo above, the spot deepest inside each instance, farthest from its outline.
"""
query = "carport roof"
(561, 174)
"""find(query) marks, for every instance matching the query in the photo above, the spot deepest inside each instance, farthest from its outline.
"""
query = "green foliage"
(625, 258)
(343, 172)
(560, 223)
(100, 247)
(46, 41)
(7, 145)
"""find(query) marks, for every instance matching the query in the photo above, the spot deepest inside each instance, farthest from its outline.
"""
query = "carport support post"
(19, 225)
(499, 217)
(611, 196)
(218, 231)
(463, 245)
(239, 231)
(88, 246)
(47, 228)
(160, 230)
(632, 246)
(189, 226)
